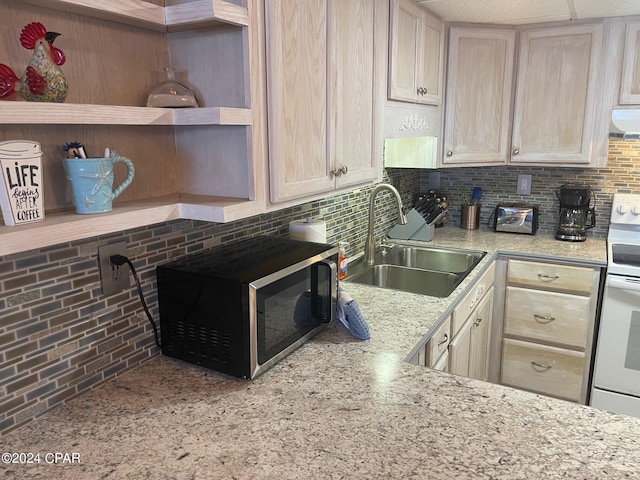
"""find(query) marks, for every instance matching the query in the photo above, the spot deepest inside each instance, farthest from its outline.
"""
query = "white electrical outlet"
(524, 185)
(113, 278)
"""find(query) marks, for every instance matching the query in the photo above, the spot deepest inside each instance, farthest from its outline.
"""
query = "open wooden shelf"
(199, 13)
(69, 226)
(40, 113)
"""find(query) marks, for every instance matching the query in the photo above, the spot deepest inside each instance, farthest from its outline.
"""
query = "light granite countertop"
(338, 408)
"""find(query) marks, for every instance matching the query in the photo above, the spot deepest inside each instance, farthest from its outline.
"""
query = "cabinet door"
(630, 84)
(555, 95)
(297, 98)
(431, 60)
(353, 116)
(479, 348)
(405, 42)
(417, 54)
(459, 351)
(480, 75)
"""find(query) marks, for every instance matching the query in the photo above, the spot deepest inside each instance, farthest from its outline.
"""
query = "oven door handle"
(631, 284)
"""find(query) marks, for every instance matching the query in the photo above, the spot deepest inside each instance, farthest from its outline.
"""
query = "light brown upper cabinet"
(479, 86)
(555, 100)
(416, 54)
(630, 83)
(324, 63)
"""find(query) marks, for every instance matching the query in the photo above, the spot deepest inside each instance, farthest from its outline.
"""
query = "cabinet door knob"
(516, 151)
(338, 172)
(478, 321)
(449, 153)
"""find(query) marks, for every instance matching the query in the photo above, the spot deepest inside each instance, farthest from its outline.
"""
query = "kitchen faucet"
(370, 244)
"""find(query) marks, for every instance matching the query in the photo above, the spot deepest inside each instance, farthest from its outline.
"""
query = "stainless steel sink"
(414, 280)
(428, 271)
(442, 260)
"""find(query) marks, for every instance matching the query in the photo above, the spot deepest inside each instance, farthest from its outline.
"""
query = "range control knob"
(635, 210)
(623, 208)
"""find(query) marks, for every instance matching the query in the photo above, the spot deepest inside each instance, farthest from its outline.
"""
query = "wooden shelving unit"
(69, 226)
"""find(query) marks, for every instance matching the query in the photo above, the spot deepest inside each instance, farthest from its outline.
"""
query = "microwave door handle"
(333, 288)
(330, 300)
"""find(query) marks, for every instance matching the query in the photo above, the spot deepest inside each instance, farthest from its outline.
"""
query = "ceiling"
(516, 12)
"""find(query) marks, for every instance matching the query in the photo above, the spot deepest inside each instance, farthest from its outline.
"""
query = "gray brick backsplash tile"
(110, 344)
(40, 391)
(21, 382)
(90, 382)
(7, 338)
(31, 261)
(7, 373)
(99, 364)
(20, 298)
(30, 412)
(63, 350)
(19, 282)
(38, 361)
(54, 370)
(60, 396)
(46, 308)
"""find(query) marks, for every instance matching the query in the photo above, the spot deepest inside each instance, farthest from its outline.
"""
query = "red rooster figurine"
(43, 81)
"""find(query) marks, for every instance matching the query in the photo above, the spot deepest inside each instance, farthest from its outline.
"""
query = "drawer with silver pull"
(551, 317)
(550, 276)
(542, 368)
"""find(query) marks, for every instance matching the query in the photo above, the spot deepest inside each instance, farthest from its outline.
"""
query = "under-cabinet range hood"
(625, 123)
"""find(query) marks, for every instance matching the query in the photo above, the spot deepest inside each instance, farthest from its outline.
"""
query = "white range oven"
(616, 378)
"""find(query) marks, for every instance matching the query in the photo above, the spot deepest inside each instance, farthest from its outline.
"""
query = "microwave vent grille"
(198, 343)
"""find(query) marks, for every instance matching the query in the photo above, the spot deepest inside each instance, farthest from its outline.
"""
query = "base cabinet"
(549, 317)
(469, 349)
(468, 352)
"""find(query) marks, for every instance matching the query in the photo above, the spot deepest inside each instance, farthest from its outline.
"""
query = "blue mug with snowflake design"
(91, 181)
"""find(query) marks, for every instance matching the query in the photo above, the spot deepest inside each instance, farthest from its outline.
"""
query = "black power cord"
(119, 260)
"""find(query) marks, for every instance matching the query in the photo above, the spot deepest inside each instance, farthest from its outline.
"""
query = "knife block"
(415, 229)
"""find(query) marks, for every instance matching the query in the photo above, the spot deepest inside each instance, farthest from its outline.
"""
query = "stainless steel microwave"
(241, 307)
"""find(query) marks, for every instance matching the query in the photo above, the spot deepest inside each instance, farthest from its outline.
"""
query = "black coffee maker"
(576, 213)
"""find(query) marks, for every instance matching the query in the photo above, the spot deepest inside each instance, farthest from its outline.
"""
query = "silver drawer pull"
(550, 278)
(478, 321)
(543, 318)
(446, 339)
(542, 366)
